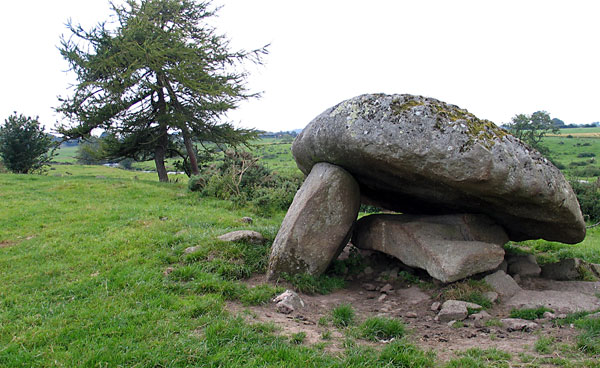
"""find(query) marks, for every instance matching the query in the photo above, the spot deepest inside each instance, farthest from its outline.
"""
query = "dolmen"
(458, 187)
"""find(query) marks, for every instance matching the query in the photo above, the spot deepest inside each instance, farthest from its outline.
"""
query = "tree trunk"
(159, 157)
(189, 147)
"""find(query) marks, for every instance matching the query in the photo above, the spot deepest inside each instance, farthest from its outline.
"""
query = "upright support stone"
(318, 223)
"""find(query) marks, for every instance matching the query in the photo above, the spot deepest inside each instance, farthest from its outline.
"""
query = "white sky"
(494, 58)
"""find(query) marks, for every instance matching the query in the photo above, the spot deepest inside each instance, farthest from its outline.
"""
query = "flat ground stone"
(318, 223)
(558, 301)
(449, 247)
(243, 235)
(517, 324)
(455, 310)
(418, 155)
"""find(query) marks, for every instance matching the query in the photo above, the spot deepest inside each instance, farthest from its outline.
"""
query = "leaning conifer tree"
(158, 76)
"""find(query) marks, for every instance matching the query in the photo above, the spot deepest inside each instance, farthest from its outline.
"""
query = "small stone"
(517, 324)
(492, 296)
(386, 288)
(410, 315)
(453, 310)
(561, 316)
(95, 274)
(382, 297)
(435, 306)
(451, 323)
(549, 315)
(191, 249)
(180, 232)
(247, 220)
(288, 302)
(168, 270)
(163, 218)
(243, 235)
(479, 316)
(369, 287)
(502, 283)
(368, 270)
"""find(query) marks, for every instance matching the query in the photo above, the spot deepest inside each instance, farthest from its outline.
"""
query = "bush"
(24, 146)
(588, 196)
(586, 154)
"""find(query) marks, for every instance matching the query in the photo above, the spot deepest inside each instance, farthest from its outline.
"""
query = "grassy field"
(83, 258)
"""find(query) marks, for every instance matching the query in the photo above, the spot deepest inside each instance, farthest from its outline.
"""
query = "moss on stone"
(400, 107)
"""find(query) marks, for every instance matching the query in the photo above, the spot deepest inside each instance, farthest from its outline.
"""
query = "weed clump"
(529, 313)
(342, 315)
(382, 328)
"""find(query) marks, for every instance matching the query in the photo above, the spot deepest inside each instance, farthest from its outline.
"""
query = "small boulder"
(502, 283)
(248, 236)
(456, 310)
(318, 223)
(571, 269)
(288, 302)
(435, 306)
(523, 265)
(517, 324)
(189, 250)
(492, 296)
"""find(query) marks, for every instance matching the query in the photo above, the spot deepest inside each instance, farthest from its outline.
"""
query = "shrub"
(586, 154)
(24, 146)
(588, 196)
(382, 328)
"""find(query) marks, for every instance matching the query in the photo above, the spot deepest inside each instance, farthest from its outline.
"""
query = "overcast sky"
(494, 58)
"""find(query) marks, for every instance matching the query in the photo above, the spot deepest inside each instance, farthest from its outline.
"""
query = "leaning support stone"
(449, 247)
(317, 224)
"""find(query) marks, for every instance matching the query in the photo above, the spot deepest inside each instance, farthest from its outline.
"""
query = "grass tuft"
(382, 328)
(342, 315)
(529, 313)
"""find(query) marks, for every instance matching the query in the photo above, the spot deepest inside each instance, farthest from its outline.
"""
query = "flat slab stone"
(318, 223)
(558, 301)
(418, 155)
(449, 247)
(503, 284)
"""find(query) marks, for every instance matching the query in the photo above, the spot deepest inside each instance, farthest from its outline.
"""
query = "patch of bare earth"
(412, 305)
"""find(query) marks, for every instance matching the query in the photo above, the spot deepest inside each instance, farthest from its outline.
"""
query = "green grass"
(529, 313)
(310, 284)
(382, 328)
(468, 290)
(343, 315)
(478, 358)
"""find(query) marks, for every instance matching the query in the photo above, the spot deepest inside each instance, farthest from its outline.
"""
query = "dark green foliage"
(309, 284)
(241, 179)
(89, 152)
(588, 196)
(157, 81)
(529, 313)
(260, 294)
(382, 328)
(586, 154)
(342, 315)
(24, 146)
(531, 129)
(352, 265)
(298, 338)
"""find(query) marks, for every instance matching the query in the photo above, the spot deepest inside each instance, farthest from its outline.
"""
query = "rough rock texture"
(419, 155)
(243, 235)
(502, 283)
(571, 269)
(455, 310)
(517, 324)
(525, 265)
(317, 225)
(288, 302)
(448, 247)
(558, 301)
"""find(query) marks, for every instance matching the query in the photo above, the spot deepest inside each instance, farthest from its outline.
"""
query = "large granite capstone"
(418, 155)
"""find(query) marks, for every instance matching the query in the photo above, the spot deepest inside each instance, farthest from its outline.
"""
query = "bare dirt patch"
(411, 304)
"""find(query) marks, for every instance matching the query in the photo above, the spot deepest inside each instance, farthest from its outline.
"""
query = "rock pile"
(464, 187)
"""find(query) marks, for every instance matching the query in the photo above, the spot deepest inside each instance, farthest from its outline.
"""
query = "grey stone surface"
(189, 250)
(419, 155)
(525, 265)
(571, 269)
(455, 310)
(448, 247)
(503, 284)
(492, 296)
(517, 324)
(317, 225)
(558, 301)
(249, 236)
(288, 302)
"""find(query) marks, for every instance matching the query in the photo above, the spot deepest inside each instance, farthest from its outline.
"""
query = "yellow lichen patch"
(400, 107)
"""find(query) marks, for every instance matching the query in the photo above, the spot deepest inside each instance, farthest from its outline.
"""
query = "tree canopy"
(158, 80)
(23, 144)
(531, 129)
